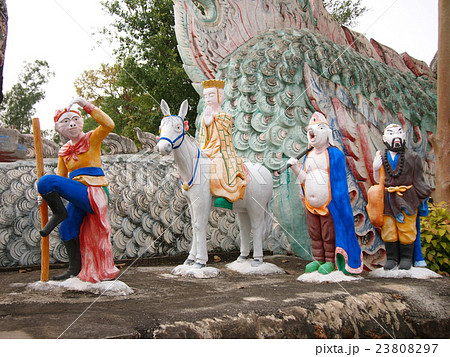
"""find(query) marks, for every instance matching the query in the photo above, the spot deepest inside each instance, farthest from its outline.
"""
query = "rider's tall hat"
(214, 83)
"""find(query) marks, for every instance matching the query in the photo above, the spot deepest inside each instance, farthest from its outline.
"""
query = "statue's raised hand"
(377, 162)
(208, 116)
(80, 101)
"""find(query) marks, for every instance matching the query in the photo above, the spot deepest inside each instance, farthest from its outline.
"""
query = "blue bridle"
(178, 137)
(186, 185)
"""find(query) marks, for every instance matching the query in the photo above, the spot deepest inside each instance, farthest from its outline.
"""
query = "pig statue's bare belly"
(317, 179)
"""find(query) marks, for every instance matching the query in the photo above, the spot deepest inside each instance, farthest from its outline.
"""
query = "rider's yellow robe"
(227, 175)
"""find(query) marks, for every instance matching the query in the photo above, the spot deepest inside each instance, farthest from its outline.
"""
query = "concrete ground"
(228, 306)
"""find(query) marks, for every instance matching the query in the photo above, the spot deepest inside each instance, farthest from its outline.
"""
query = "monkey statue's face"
(70, 125)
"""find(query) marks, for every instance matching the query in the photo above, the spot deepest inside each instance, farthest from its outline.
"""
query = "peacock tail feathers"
(290, 60)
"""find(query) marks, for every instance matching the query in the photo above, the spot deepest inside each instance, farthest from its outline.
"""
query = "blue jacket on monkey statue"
(405, 195)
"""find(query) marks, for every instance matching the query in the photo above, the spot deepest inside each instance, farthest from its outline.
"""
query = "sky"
(65, 34)
(60, 32)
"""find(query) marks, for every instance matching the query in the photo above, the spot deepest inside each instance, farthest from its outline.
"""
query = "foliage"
(345, 12)
(17, 108)
(101, 88)
(435, 236)
(148, 67)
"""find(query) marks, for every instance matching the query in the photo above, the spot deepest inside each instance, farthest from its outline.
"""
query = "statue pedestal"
(334, 277)
(415, 273)
(246, 268)
(188, 271)
(107, 288)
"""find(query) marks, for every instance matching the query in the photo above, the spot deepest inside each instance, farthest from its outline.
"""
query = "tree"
(150, 66)
(17, 108)
(100, 87)
(3, 35)
(440, 141)
(345, 12)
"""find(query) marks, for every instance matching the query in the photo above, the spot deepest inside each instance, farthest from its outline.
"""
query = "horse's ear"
(165, 108)
(183, 109)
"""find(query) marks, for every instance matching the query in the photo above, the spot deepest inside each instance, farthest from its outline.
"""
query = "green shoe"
(326, 268)
(313, 266)
(223, 203)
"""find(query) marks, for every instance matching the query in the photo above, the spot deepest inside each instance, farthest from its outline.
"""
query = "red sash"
(71, 151)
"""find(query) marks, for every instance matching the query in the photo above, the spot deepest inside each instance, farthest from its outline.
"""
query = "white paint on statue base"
(334, 277)
(414, 273)
(107, 288)
(188, 271)
(246, 268)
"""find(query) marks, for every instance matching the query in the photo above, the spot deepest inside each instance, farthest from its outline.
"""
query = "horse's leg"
(256, 200)
(200, 215)
(193, 251)
(257, 221)
(245, 229)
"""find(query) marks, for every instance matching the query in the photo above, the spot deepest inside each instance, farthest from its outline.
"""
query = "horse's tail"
(267, 221)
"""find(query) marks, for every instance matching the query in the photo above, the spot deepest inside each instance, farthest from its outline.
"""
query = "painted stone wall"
(282, 60)
(149, 215)
(206, 38)
(277, 81)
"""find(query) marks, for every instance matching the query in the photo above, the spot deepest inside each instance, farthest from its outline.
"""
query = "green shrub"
(435, 235)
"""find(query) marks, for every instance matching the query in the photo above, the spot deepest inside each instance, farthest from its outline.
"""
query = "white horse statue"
(194, 168)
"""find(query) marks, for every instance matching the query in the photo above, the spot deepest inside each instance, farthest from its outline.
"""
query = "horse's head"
(172, 128)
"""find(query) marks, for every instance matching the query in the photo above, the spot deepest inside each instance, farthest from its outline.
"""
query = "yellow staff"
(45, 255)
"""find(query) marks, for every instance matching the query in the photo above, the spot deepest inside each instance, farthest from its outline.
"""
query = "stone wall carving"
(282, 60)
(206, 39)
(148, 213)
(16, 146)
(12, 145)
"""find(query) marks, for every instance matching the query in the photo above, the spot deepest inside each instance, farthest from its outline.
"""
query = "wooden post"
(45, 254)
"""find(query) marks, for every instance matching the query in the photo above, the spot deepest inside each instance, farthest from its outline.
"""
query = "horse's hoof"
(242, 258)
(256, 262)
(198, 265)
(189, 262)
